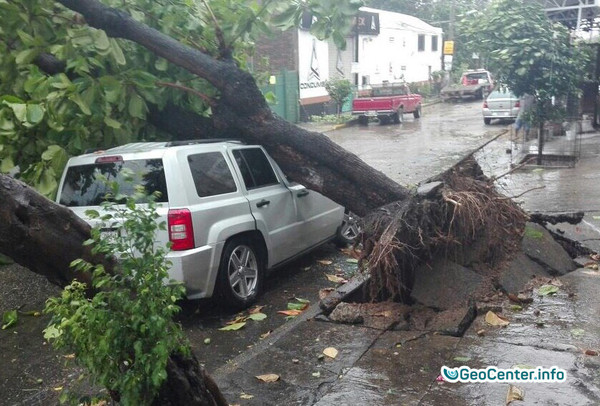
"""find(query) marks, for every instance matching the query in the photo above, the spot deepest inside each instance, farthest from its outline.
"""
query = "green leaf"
(35, 113)
(6, 165)
(546, 290)
(137, 107)
(85, 109)
(117, 52)
(296, 306)
(111, 122)
(26, 56)
(9, 319)
(47, 184)
(51, 332)
(233, 327)
(257, 316)
(161, 64)
(19, 110)
(299, 299)
(101, 40)
(462, 359)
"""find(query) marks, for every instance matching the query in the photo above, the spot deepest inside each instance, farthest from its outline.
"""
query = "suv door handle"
(262, 203)
(302, 193)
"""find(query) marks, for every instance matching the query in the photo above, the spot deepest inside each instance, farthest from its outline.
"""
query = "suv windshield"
(83, 188)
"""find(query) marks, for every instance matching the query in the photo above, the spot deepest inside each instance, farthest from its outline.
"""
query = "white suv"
(231, 213)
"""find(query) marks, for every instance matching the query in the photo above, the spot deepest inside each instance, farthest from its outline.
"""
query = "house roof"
(390, 19)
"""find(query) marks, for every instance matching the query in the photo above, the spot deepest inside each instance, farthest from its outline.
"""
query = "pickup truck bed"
(386, 103)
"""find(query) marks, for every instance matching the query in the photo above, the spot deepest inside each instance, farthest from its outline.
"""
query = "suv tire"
(241, 273)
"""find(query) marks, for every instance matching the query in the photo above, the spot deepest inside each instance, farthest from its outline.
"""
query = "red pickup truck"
(387, 102)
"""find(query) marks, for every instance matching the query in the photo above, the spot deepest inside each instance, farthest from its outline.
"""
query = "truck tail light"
(181, 230)
(518, 103)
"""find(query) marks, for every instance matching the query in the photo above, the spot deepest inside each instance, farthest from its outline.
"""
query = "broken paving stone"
(539, 245)
(429, 189)
(453, 322)
(444, 284)
(349, 313)
(518, 272)
(483, 308)
(381, 316)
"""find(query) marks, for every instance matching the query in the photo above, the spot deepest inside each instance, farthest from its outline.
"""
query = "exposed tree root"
(467, 221)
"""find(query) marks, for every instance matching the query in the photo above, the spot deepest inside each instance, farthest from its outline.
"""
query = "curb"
(338, 295)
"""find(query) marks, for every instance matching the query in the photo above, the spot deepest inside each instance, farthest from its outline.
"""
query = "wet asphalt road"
(408, 153)
(419, 148)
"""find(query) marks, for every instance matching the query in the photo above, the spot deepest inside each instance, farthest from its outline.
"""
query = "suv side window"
(255, 167)
(211, 174)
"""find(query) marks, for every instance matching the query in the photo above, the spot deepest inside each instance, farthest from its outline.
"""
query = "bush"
(125, 333)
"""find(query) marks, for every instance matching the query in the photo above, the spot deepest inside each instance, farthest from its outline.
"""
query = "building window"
(421, 42)
(392, 39)
(434, 43)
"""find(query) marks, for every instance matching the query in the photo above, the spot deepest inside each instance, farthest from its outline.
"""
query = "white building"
(403, 48)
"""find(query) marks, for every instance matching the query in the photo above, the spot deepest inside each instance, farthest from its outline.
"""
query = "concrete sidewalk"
(399, 367)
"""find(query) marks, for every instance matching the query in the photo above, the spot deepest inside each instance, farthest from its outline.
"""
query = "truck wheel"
(417, 112)
(487, 120)
(363, 120)
(241, 274)
(398, 116)
(384, 120)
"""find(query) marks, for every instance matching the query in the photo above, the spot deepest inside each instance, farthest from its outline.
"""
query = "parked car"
(477, 83)
(231, 213)
(500, 104)
(388, 102)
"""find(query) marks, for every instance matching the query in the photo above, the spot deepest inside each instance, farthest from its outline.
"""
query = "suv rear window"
(83, 188)
(211, 174)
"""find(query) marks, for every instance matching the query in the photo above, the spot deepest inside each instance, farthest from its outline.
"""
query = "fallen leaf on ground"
(577, 332)
(58, 388)
(593, 353)
(330, 352)
(9, 319)
(335, 278)
(323, 293)
(514, 298)
(324, 262)
(207, 341)
(233, 327)
(591, 265)
(595, 257)
(265, 335)
(556, 282)
(493, 319)
(523, 366)
(481, 332)
(299, 299)
(316, 374)
(257, 316)
(516, 308)
(306, 268)
(440, 378)
(246, 396)
(352, 260)
(514, 393)
(297, 306)
(69, 356)
(546, 290)
(268, 377)
(462, 359)
(292, 313)
(256, 309)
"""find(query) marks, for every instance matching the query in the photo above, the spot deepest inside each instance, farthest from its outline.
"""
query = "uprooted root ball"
(467, 221)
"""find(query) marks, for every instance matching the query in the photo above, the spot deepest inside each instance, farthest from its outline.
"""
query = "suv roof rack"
(180, 143)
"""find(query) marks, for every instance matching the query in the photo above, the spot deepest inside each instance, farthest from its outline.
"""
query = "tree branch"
(201, 95)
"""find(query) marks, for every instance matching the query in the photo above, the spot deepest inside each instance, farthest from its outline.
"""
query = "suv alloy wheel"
(241, 273)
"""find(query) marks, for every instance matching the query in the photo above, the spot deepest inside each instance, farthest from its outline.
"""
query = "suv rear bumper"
(196, 269)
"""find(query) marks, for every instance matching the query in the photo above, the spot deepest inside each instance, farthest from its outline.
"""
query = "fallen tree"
(402, 229)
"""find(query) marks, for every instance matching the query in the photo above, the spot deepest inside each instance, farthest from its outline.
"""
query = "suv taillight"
(518, 103)
(485, 105)
(181, 230)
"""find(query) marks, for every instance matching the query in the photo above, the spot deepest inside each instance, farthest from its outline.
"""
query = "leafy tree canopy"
(66, 87)
(527, 52)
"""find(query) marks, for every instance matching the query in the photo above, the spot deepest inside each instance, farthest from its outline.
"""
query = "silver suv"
(231, 213)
